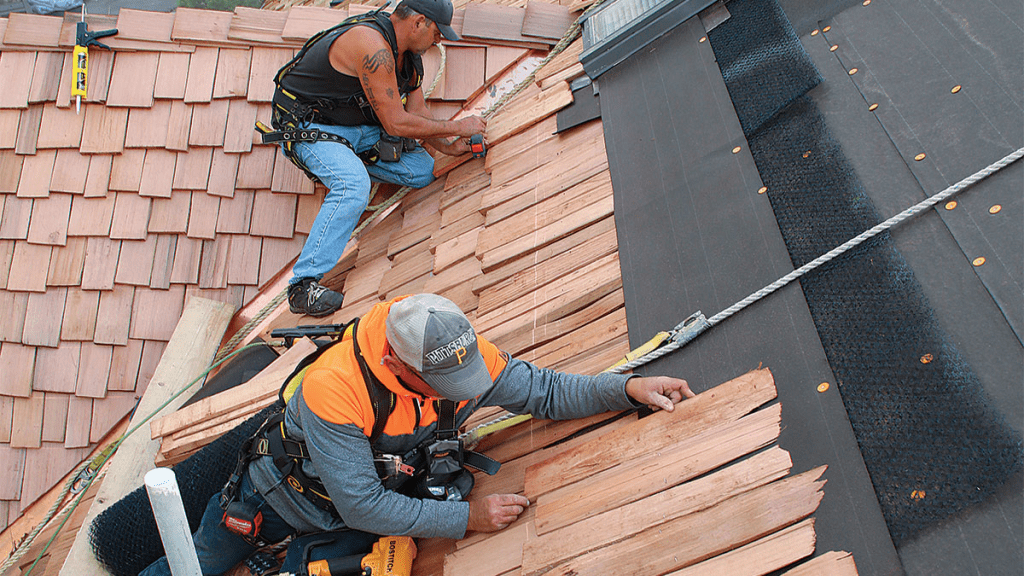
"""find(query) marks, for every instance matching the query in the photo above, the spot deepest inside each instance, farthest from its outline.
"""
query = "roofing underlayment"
(113, 218)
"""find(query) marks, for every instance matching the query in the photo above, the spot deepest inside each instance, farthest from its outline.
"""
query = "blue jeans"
(220, 550)
(348, 183)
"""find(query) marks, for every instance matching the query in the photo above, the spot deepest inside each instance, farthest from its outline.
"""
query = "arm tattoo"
(380, 58)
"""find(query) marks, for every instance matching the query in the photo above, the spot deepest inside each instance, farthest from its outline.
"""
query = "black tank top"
(339, 97)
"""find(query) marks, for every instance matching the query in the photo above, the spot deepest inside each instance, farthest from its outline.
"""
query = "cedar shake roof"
(159, 189)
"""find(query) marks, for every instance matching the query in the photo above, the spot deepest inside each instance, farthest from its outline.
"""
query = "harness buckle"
(392, 465)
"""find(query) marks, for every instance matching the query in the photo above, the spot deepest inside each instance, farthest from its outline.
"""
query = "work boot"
(308, 297)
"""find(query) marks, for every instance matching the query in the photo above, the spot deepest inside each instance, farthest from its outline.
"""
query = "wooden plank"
(50, 218)
(542, 236)
(232, 77)
(114, 315)
(256, 169)
(32, 30)
(100, 263)
(104, 128)
(526, 109)
(304, 21)
(255, 25)
(124, 366)
(548, 299)
(546, 20)
(243, 266)
(133, 78)
(170, 215)
(179, 124)
(148, 127)
(265, 64)
(548, 270)
(202, 222)
(209, 121)
(503, 550)
(832, 563)
(9, 128)
(171, 75)
(185, 269)
(14, 304)
(157, 173)
(455, 250)
(131, 217)
(46, 77)
(36, 173)
(27, 422)
(28, 130)
(91, 216)
(200, 25)
(99, 175)
(565, 543)
(530, 337)
(43, 318)
(57, 368)
(16, 82)
(126, 170)
(194, 342)
(685, 541)
(235, 213)
(469, 62)
(135, 264)
(288, 178)
(202, 66)
(80, 315)
(582, 341)
(28, 267)
(267, 380)
(192, 170)
(93, 370)
(76, 433)
(273, 214)
(493, 22)
(73, 168)
(60, 128)
(213, 265)
(155, 312)
(17, 216)
(144, 25)
(688, 458)
(55, 417)
(223, 173)
(760, 557)
(67, 263)
(18, 364)
(500, 59)
(241, 118)
(723, 403)
(163, 261)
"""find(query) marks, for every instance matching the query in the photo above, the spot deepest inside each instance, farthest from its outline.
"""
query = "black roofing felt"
(694, 234)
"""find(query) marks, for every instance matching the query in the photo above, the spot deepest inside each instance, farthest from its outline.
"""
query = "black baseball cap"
(439, 11)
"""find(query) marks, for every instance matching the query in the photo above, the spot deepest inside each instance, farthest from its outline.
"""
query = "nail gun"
(391, 556)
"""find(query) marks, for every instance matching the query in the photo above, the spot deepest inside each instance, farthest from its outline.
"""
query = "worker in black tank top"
(362, 83)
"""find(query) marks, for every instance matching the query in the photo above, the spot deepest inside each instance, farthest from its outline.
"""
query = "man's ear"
(393, 364)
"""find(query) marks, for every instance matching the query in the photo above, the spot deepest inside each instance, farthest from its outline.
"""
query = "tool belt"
(437, 465)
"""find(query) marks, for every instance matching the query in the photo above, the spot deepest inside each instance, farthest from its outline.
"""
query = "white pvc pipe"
(169, 511)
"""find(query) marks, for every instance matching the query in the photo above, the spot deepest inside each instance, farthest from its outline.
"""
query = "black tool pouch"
(389, 148)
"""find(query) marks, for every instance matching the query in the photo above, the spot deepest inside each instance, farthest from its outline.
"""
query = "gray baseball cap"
(439, 11)
(432, 335)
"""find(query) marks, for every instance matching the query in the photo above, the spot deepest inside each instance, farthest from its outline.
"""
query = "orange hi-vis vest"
(334, 389)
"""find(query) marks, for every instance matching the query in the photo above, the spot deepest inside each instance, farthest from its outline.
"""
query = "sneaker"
(310, 298)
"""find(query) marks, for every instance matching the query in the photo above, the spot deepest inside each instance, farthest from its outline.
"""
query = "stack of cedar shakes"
(159, 191)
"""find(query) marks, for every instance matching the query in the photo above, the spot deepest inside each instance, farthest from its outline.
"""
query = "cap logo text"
(455, 348)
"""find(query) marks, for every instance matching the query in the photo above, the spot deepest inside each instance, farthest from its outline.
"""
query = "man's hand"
(495, 512)
(659, 391)
(470, 125)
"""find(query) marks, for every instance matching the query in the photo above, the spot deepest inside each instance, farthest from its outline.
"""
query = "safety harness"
(437, 465)
(290, 110)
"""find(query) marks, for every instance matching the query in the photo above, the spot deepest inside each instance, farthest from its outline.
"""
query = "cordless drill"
(391, 556)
